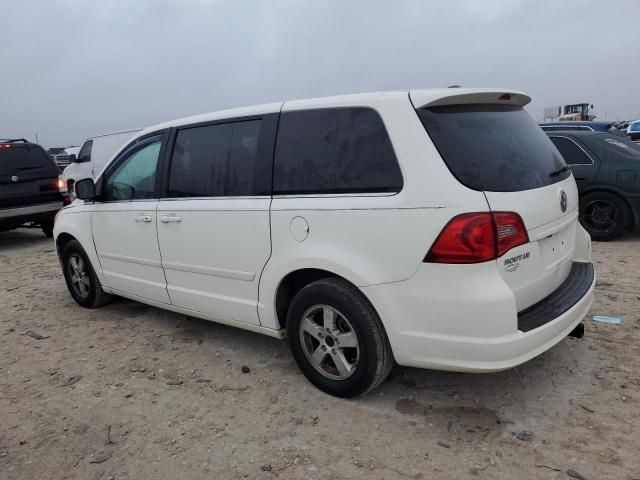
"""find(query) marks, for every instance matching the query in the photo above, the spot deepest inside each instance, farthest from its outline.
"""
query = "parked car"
(590, 126)
(633, 130)
(607, 171)
(29, 186)
(94, 155)
(433, 228)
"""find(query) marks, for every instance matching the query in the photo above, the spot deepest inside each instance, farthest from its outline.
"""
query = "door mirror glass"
(85, 189)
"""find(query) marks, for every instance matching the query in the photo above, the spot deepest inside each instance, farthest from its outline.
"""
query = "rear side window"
(334, 150)
(25, 159)
(572, 153)
(497, 148)
(217, 160)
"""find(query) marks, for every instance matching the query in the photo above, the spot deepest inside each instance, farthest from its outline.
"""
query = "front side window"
(571, 152)
(218, 160)
(135, 177)
(334, 150)
(85, 152)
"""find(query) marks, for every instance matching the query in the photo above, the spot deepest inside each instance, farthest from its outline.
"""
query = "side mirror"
(85, 189)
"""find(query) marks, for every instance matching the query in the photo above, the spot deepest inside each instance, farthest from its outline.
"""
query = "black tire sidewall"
(90, 300)
(364, 324)
(621, 207)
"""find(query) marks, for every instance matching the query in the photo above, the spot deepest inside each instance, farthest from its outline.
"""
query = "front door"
(213, 227)
(124, 223)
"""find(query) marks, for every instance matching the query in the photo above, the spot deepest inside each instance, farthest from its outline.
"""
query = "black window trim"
(124, 154)
(577, 145)
(267, 135)
(327, 193)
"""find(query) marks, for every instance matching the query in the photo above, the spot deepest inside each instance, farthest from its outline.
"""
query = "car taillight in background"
(5, 145)
(61, 185)
(478, 237)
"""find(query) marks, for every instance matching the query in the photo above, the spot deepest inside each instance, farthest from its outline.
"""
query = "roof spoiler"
(461, 96)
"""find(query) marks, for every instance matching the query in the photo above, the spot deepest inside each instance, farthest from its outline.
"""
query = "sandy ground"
(132, 392)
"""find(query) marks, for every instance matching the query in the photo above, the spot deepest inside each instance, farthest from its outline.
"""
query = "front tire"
(82, 281)
(337, 338)
(604, 215)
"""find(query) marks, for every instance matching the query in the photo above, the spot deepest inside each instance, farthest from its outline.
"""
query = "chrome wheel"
(79, 275)
(329, 342)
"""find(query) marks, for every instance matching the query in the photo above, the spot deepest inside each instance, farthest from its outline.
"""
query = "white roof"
(420, 98)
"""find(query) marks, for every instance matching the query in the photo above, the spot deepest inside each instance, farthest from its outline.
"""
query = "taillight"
(510, 231)
(5, 145)
(61, 185)
(477, 237)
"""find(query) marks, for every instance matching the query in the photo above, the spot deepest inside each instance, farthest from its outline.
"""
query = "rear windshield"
(497, 148)
(610, 147)
(23, 159)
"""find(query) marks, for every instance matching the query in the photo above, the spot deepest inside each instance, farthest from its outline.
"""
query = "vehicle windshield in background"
(497, 148)
(23, 159)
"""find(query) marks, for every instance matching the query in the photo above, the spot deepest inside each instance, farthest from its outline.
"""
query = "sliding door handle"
(143, 218)
(170, 219)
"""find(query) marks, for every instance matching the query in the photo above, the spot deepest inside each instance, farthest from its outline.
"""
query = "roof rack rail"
(14, 140)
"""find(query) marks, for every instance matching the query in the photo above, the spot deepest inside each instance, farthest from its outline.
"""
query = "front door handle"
(143, 218)
(170, 219)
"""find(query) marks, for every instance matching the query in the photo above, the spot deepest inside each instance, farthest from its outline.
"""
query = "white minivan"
(430, 228)
(94, 155)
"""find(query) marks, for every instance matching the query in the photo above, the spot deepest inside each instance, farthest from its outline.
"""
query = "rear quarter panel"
(368, 239)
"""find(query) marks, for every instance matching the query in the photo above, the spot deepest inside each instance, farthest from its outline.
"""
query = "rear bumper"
(14, 213)
(465, 319)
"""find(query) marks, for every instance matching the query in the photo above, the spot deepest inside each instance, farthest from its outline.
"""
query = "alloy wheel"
(79, 275)
(329, 342)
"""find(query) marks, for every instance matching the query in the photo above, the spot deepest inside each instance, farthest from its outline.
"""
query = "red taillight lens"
(5, 145)
(510, 231)
(61, 184)
(477, 237)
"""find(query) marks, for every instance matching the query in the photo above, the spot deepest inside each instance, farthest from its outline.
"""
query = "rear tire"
(604, 215)
(337, 338)
(82, 281)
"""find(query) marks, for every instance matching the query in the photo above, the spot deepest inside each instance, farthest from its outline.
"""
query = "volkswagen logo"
(563, 201)
(14, 179)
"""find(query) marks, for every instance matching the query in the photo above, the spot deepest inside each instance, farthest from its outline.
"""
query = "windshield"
(497, 148)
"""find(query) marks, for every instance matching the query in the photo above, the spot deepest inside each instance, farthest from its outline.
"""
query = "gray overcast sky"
(72, 69)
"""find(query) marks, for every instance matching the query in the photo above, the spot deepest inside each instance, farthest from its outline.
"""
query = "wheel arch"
(295, 280)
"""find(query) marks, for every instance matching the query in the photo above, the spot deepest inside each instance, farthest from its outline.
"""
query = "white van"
(94, 155)
(432, 228)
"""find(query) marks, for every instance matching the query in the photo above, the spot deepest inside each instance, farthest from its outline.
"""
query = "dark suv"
(29, 186)
(607, 170)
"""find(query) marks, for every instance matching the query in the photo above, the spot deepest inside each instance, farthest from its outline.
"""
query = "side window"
(334, 150)
(571, 152)
(217, 160)
(84, 155)
(135, 177)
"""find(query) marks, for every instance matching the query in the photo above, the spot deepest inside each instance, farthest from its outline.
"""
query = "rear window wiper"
(562, 169)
